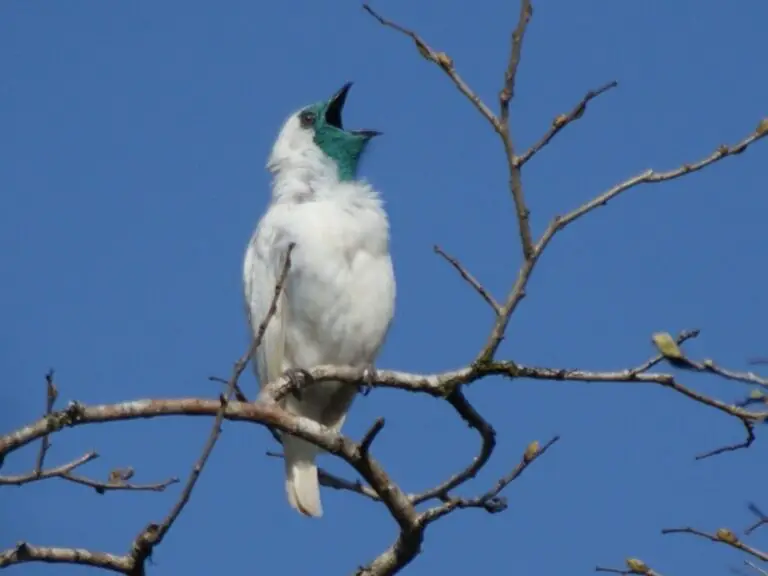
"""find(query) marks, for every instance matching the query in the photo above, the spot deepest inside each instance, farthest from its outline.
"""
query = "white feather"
(339, 295)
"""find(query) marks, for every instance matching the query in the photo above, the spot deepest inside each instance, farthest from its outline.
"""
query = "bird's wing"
(264, 261)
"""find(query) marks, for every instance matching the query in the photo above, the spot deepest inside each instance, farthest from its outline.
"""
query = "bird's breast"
(339, 294)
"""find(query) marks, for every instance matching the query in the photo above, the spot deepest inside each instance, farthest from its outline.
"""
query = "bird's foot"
(299, 378)
(369, 377)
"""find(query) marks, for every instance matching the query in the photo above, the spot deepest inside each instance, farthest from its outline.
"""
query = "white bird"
(339, 295)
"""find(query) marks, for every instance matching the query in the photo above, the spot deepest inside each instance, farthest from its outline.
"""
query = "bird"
(338, 298)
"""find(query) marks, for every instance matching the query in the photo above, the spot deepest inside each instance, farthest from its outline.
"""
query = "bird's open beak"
(333, 112)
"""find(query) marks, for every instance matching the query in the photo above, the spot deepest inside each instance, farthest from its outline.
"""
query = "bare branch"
(113, 485)
(500, 126)
(437, 385)
(750, 429)
(510, 75)
(651, 177)
(50, 398)
(634, 566)
(756, 568)
(746, 377)
(723, 536)
(517, 293)
(39, 474)
(153, 534)
(484, 294)
(490, 501)
(444, 62)
(397, 556)
(562, 121)
(682, 337)
(762, 518)
(239, 395)
(507, 93)
(24, 552)
(370, 436)
(488, 436)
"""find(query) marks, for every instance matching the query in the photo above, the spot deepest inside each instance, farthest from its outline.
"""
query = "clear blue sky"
(133, 138)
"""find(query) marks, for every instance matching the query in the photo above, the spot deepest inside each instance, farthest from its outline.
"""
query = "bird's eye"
(307, 119)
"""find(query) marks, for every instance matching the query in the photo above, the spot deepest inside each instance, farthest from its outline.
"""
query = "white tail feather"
(301, 482)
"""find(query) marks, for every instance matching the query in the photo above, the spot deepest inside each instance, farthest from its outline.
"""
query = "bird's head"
(315, 135)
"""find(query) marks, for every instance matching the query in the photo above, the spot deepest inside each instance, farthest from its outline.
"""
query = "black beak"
(333, 112)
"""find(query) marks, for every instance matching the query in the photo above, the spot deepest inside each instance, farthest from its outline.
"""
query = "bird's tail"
(301, 482)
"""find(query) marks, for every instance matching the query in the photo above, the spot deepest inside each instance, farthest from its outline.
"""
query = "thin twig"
(642, 570)
(37, 474)
(50, 399)
(510, 74)
(562, 121)
(650, 363)
(722, 536)
(120, 485)
(24, 552)
(370, 436)
(746, 443)
(444, 62)
(517, 293)
(746, 377)
(490, 500)
(651, 177)
(500, 125)
(471, 416)
(507, 93)
(471, 280)
(153, 534)
(762, 518)
(239, 395)
(759, 570)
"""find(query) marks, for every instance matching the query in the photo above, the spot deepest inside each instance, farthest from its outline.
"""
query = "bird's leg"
(369, 377)
(299, 378)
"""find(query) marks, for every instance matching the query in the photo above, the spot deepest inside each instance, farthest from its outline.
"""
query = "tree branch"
(517, 293)
(761, 521)
(24, 552)
(50, 398)
(488, 436)
(500, 125)
(117, 484)
(153, 534)
(723, 536)
(562, 121)
(484, 294)
(437, 385)
(634, 566)
(39, 474)
(490, 501)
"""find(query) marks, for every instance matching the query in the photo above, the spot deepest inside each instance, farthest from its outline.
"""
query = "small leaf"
(667, 346)
(637, 566)
(120, 475)
(444, 60)
(762, 127)
(756, 394)
(725, 535)
(532, 451)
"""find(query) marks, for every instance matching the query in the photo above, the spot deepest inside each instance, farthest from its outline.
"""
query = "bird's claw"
(298, 378)
(369, 377)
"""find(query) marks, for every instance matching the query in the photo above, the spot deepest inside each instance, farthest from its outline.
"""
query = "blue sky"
(133, 138)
